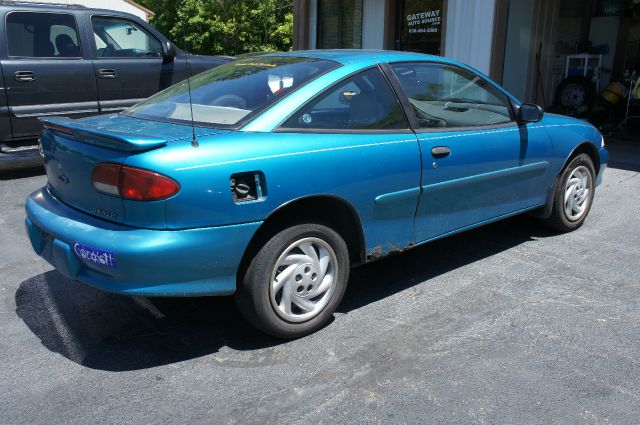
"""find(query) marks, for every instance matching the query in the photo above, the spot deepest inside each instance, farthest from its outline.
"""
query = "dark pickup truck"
(75, 61)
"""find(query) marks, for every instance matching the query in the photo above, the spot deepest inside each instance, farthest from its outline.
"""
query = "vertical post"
(301, 24)
(443, 27)
(390, 24)
(586, 20)
(499, 39)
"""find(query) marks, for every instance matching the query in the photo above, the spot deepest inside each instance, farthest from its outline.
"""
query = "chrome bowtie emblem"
(63, 178)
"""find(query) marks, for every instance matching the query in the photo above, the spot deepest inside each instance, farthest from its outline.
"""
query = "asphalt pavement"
(507, 324)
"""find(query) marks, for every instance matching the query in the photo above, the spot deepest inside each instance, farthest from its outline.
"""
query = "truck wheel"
(574, 194)
(294, 284)
(576, 95)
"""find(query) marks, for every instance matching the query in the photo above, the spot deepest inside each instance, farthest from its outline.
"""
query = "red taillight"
(143, 185)
(133, 183)
(106, 178)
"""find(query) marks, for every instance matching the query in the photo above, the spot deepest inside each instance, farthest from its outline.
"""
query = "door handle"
(107, 73)
(24, 76)
(440, 151)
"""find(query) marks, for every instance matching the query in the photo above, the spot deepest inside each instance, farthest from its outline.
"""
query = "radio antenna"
(194, 139)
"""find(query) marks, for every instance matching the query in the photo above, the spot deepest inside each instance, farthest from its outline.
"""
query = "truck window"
(42, 35)
(121, 38)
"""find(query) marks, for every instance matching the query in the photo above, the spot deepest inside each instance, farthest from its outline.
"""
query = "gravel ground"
(509, 323)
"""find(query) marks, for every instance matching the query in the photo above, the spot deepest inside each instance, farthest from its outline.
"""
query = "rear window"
(226, 95)
(42, 35)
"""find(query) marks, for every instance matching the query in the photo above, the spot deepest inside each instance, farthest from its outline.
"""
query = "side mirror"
(169, 50)
(529, 112)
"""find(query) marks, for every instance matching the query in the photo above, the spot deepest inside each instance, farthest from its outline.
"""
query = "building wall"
(468, 33)
(373, 20)
(468, 28)
(543, 75)
(120, 5)
(517, 49)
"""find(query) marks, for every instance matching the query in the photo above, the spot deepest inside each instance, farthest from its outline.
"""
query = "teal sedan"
(270, 176)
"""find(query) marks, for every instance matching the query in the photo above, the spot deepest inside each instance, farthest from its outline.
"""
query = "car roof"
(23, 6)
(363, 57)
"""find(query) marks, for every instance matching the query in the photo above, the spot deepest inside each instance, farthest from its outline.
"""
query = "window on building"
(419, 27)
(362, 102)
(339, 24)
(448, 96)
(124, 39)
(42, 35)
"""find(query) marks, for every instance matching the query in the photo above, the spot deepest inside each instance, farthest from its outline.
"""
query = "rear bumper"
(190, 262)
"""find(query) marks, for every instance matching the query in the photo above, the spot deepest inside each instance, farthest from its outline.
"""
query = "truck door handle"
(24, 76)
(107, 73)
(440, 151)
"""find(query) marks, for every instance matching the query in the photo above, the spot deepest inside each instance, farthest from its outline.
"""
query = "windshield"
(227, 94)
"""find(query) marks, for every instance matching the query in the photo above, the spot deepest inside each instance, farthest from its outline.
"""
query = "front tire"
(574, 194)
(295, 282)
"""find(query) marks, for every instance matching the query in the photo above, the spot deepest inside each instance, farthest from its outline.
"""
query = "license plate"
(95, 256)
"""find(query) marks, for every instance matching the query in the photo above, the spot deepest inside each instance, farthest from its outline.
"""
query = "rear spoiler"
(90, 134)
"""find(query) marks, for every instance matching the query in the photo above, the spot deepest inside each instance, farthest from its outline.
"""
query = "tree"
(225, 27)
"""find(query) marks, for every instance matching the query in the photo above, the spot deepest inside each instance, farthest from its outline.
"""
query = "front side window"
(121, 38)
(448, 96)
(230, 93)
(362, 102)
(42, 35)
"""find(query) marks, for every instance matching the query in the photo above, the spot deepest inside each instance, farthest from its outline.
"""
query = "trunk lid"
(72, 148)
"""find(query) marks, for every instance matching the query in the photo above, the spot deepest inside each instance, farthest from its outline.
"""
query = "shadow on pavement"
(624, 154)
(116, 333)
(21, 173)
(112, 332)
(624, 165)
(377, 280)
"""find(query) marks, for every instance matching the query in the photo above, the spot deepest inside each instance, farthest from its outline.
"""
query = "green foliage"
(225, 27)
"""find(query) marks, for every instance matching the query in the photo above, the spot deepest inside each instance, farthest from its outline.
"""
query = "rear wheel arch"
(329, 210)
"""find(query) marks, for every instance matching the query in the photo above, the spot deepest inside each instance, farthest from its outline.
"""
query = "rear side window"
(231, 93)
(448, 96)
(364, 101)
(42, 35)
(121, 38)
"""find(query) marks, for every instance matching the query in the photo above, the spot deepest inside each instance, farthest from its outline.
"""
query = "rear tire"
(295, 282)
(574, 194)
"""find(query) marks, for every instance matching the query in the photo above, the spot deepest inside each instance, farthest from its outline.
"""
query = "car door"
(364, 151)
(5, 120)
(129, 63)
(45, 73)
(478, 162)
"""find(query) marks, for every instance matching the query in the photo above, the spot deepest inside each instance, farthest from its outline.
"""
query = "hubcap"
(577, 193)
(303, 279)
